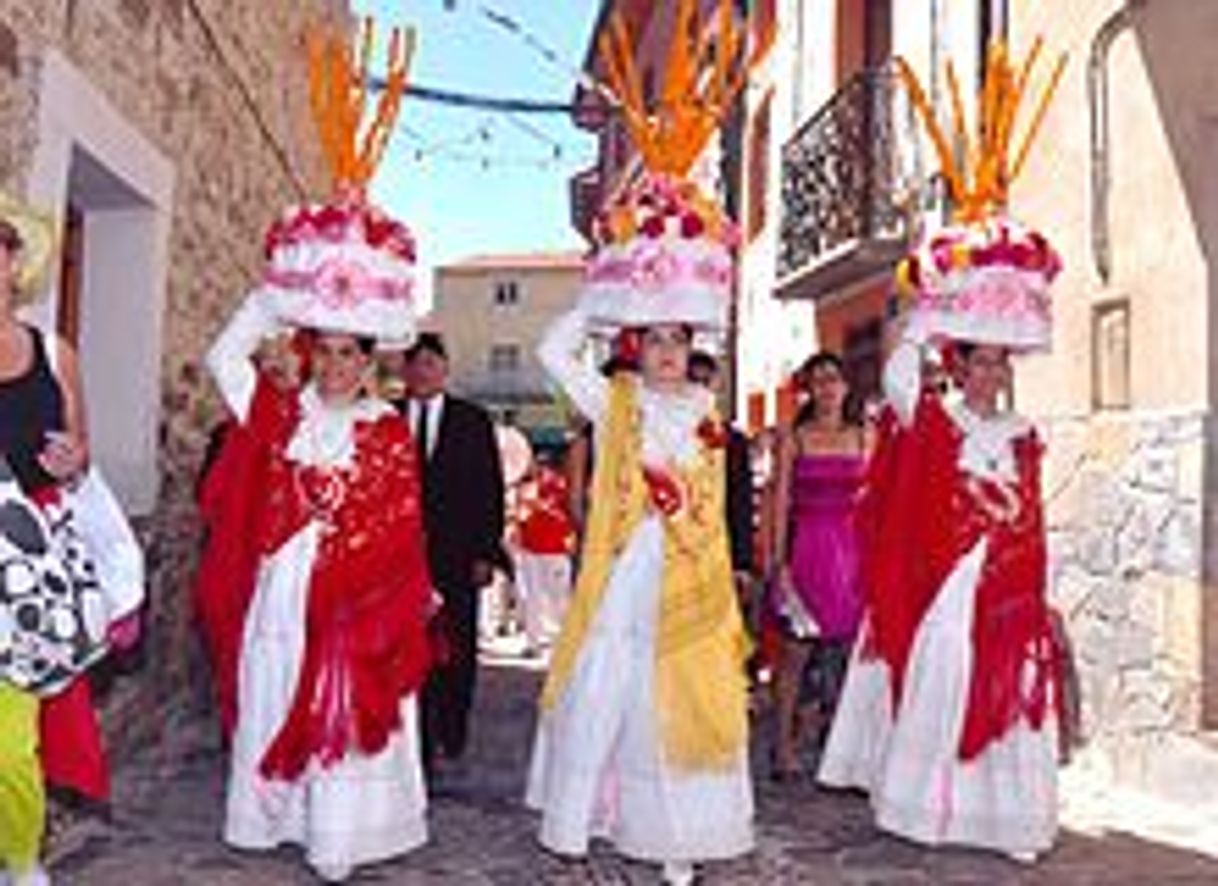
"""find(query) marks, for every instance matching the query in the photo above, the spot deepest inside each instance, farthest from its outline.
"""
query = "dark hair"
(365, 343)
(803, 375)
(702, 360)
(687, 329)
(10, 237)
(616, 363)
(964, 349)
(428, 341)
(803, 380)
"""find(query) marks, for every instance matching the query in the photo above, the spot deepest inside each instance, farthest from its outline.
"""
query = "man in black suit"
(463, 517)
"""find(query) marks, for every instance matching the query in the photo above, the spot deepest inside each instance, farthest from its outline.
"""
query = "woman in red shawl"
(948, 718)
(950, 710)
(315, 598)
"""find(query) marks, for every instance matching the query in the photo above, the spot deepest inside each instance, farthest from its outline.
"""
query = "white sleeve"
(229, 358)
(560, 352)
(903, 379)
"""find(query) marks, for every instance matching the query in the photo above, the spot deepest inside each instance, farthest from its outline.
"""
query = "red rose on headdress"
(627, 345)
(653, 227)
(692, 226)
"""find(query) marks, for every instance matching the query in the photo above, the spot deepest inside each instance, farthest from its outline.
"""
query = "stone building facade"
(492, 310)
(1123, 179)
(167, 135)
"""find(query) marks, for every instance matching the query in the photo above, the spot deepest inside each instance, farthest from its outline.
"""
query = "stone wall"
(219, 89)
(1125, 496)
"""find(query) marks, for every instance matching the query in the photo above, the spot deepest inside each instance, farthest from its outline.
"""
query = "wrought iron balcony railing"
(506, 386)
(843, 187)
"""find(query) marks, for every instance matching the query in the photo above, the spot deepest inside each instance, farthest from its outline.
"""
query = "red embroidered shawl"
(921, 514)
(369, 592)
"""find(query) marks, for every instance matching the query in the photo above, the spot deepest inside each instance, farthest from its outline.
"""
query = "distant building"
(492, 310)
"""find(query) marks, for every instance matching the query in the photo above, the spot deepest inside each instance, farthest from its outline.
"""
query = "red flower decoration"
(691, 226)
(627, 345)
(654, 227)
(663, 490)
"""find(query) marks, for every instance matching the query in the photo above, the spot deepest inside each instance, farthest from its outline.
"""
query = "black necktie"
(421, 430)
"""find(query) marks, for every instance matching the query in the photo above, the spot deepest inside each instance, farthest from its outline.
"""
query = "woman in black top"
(42, 439)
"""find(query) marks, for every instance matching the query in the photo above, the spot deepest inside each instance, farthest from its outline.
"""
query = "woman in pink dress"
(816, 596)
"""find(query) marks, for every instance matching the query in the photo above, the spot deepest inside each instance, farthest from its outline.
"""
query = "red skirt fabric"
(70, 742)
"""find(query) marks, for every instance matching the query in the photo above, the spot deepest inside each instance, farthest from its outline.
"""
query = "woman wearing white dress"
(951, 705)
(643, 735)
(332, 635)
(949, 714)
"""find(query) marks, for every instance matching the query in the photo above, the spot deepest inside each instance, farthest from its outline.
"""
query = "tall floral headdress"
(344, 265)
(984, 277)
(663, 248)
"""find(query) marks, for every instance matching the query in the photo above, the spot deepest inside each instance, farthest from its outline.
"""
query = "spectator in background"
(463, 514)
(816, 596)
(704, 371)
(544, 540)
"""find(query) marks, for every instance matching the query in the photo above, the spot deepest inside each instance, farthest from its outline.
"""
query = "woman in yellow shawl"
(643, 733)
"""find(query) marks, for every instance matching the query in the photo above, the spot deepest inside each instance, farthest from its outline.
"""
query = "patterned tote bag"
(53, 616)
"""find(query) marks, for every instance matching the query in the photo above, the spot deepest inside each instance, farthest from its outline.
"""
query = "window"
(507, 293)
(862, 353)
(505, 358)
(1110, 355)
(759, 168)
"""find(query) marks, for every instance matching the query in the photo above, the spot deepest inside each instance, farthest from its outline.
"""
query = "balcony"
(507, 387)
(586, 193)
(843, 215)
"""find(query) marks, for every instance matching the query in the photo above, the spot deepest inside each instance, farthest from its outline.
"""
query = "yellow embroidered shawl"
(699, 683)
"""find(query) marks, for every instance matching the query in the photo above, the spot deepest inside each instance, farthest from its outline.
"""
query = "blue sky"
(517, 201)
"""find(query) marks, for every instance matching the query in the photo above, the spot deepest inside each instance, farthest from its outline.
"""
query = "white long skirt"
(597, 769)
(362, 809)
(544, 584)
(1005, 799)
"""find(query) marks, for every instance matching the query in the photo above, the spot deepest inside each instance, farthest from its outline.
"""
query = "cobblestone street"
(167, 812)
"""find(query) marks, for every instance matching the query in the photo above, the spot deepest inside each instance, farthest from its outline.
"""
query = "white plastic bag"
(111, 543)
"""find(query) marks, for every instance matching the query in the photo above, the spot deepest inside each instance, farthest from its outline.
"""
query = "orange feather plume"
(338, 78)
(979, 176)
(704, 71)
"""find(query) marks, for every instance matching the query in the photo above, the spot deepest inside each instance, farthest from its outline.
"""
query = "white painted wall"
(776, 336)
(123, 296)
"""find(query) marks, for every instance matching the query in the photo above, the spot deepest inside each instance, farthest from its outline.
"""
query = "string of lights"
(506, 22)
(479, 146)
(516, 110)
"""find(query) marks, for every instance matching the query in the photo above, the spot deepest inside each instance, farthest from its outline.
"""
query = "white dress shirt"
(435, 414)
